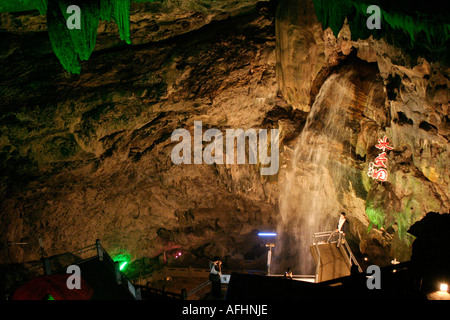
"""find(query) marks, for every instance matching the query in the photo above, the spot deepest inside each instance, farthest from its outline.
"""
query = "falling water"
(309, 201)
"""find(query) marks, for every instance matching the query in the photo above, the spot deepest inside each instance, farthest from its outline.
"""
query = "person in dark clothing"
(343, 224)
(341, 228)
(215, 271)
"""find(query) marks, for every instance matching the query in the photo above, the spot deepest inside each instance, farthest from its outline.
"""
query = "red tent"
(54, 285)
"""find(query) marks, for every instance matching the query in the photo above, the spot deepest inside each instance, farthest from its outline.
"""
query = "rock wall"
(88, 156)
(406, 100)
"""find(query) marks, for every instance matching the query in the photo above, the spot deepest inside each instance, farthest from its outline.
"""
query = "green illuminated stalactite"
(332, 13)
(70, 46)
(122, 18)
(118, 11)
(61, 40)
(41, 5)
(23, 5)
(73, 45)
(83, 39)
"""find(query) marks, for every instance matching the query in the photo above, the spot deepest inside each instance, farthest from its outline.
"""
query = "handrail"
(160, 292)
(352, 257)
(198, 288)
(75, 255)
(120, 277)
(316, 245)
(326, 236)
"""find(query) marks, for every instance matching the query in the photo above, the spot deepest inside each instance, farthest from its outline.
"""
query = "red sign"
(380, 160)
(383, 144)
(377, 169)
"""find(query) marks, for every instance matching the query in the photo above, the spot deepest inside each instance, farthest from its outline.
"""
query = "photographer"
(215, 271)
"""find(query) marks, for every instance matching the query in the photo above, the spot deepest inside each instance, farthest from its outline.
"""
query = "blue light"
(267, 234)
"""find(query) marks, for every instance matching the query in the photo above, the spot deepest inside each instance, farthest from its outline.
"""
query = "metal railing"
(316, 246)
(172, 272)
(352, 257)
(56, 263)
(121, 279)
(198, 292)
(145, 291)
(333, 237)
(299, 277)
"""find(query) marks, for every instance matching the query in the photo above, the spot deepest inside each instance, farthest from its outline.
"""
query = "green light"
(71, 46)
(427, 30)
(122, 265)
(122, 258)
(376, 217)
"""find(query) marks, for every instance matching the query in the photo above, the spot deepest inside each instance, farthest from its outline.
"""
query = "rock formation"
(87, 156)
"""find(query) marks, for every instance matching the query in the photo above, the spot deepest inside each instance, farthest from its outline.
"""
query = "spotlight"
(443, 287)
(267, 234)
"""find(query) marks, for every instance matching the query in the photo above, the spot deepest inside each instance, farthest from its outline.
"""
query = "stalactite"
(72, 45)
(83, 39)
(398, 23)
(118, 11)
(23, 5)
(333, 13)
(61, 40)
(41, 5)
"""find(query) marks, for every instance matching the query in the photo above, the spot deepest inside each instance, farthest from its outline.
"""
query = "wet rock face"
(398, 99)
(88, 156)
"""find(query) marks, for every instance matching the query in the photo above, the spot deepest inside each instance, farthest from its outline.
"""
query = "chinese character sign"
(377, 169)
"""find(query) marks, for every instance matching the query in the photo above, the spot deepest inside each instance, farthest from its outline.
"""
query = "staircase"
(332, 255)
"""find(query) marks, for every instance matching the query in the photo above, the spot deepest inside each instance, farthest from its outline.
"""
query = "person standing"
(343, 224)
(341, 228)
(215, 271)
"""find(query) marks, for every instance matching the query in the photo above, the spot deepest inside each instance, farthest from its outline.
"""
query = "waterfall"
(310, 196)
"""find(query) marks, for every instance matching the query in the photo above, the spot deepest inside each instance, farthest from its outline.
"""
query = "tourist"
(341, 229)
(215, 271)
